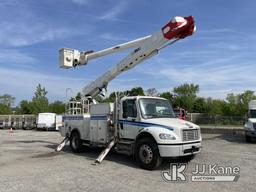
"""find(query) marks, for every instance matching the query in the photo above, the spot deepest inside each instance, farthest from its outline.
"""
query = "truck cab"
(144, 127)
(250, 125)
(151, 121)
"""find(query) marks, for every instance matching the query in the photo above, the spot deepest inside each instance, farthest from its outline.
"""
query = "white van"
(59, 122)
(46, 121)
(250, 125)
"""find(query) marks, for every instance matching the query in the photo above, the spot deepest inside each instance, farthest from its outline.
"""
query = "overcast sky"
(220, 56)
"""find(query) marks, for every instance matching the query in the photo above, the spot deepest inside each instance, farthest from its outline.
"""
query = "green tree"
(77, 97)
(238, 104)
(136, 91)
(244, 100)
(232, 107)
(186, 95)
(7, 100)
(200, 105)
(57, 107)
(40, 101)
(152, 92)
(6, 103)
(112, 97)
(216, 106)
(25, 107)
(168, 96)
(133, 92)
(4, 109)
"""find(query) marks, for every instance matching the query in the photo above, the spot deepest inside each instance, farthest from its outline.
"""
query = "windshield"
(253, 113)
(155, 108)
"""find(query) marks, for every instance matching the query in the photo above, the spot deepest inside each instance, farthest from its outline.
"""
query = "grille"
(190, 135)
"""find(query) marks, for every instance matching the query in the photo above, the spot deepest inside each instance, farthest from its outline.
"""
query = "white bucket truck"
(141, 126)
(250, 125)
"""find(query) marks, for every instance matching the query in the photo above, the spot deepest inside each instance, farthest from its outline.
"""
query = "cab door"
(128, 119)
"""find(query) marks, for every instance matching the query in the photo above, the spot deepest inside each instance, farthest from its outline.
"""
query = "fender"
(154, 131)
(72, 130)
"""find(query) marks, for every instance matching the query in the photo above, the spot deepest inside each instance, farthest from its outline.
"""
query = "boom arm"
(146, 47)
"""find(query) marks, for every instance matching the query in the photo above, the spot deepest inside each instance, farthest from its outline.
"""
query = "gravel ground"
(28, 163)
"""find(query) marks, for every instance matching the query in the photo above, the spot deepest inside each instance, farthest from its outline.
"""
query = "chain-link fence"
(206, 119)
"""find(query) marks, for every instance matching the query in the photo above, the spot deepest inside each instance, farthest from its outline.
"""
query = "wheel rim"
(146, 154)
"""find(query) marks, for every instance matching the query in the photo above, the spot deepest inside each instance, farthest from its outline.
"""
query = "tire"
(248, 139)
(75, 142)
(147, 154)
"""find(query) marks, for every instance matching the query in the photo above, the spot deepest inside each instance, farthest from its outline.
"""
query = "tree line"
(185, 96)
(38, 104)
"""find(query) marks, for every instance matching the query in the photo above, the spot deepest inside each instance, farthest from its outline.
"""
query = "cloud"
(81, 2)
(216, 77)
(9, 57)
(224, 45)
(22, 82)
(21, 34)
(115, 11)
(220, 30)
(221, 73)
(219, 35)
(113, 37)
(33, 23)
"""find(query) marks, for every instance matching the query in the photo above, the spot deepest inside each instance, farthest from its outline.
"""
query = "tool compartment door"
(99, 128)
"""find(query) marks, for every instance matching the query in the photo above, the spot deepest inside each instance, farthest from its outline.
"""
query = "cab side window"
(129, 109)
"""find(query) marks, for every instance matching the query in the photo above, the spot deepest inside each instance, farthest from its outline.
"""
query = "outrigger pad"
(62, 144)
(104, 153)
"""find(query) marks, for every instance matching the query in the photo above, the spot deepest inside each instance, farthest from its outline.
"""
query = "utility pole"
(67, 89)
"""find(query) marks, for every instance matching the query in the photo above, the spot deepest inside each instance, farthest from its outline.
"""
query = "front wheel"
(76, 142)
(147, 154)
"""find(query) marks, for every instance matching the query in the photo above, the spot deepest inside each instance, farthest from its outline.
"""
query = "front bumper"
(181, 149)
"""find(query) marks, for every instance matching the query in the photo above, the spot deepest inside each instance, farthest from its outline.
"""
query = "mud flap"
(62, 144)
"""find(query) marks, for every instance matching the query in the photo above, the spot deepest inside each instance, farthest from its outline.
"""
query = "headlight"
(166, 136)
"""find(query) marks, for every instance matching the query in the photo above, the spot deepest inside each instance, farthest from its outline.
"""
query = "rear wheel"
(147, 154)
(76, 142)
